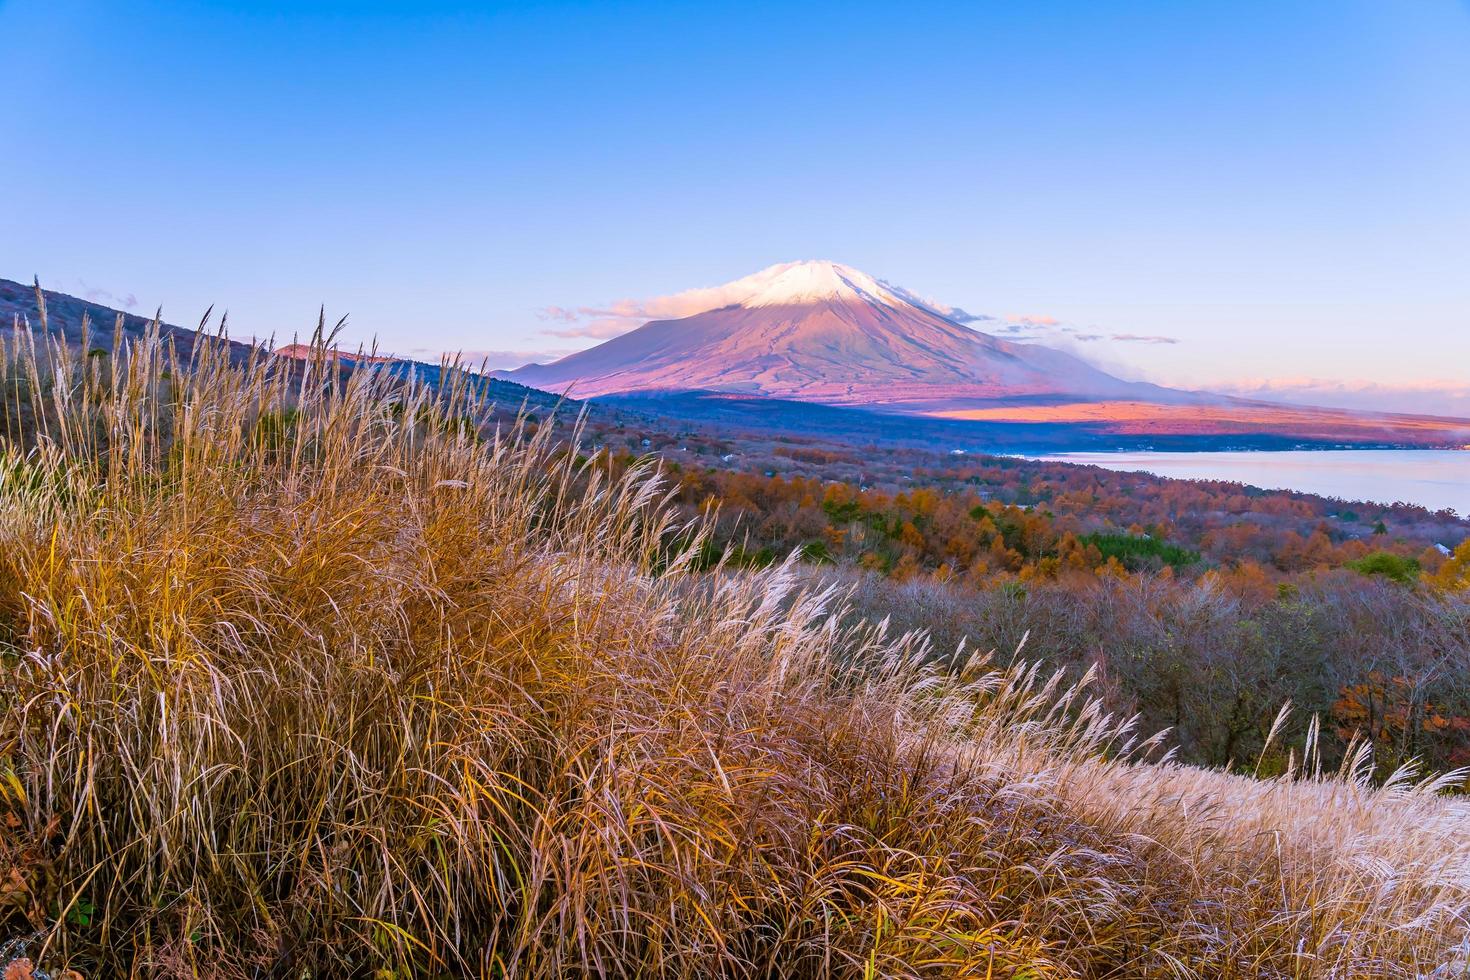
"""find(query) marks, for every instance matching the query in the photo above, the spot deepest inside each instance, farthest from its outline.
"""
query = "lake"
(1433, 478)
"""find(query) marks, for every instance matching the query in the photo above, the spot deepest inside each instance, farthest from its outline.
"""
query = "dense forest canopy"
(1207, 605)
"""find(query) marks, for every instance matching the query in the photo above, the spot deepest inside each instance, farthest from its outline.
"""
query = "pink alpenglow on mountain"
(824, 332)
(827, 333)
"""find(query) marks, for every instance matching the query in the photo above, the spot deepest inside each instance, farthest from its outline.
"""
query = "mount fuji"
(822, 332)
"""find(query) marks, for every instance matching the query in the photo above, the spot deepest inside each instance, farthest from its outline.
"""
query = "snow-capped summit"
(805, 282)
(791, 283)
(824, 332)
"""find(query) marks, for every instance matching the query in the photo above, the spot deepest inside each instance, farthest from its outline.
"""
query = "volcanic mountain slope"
(823, 332)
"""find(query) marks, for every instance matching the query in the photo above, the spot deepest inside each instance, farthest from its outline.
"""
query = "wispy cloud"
(1032, 325)
(620, 316)
(1032, 320)
(1142, 338)
(1042, 328)
(601, 328)
(122, 301)
(963, 316)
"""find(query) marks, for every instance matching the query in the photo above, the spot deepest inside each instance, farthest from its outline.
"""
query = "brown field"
(302, 675)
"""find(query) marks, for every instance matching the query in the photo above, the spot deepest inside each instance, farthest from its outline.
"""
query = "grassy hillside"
(300, 675)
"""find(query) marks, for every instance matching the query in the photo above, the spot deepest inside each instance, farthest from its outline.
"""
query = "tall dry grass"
(301, 677)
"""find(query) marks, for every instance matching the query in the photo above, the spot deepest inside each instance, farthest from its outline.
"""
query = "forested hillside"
(1204, 605)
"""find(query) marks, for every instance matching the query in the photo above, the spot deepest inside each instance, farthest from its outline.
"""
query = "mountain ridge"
(824, 332)
(1193, 421)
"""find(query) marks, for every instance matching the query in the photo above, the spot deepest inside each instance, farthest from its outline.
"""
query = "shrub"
(1138, 551)
(1399, 568)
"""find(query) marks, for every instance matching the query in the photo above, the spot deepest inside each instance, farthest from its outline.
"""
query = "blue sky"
(1283, 188)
